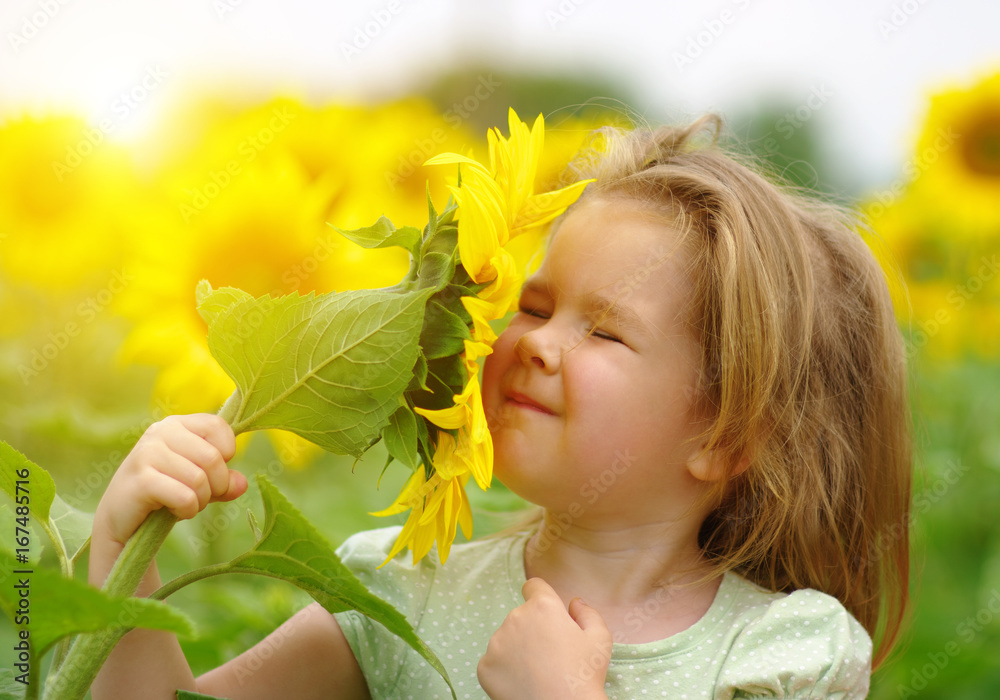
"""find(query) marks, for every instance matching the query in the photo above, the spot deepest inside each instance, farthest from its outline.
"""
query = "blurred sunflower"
(960, 150)
(63, 236)
(942, 228)
(247, 203)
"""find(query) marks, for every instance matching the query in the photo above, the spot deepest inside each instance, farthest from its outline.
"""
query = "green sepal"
(419, 380)
(443, 332)
(383, 234)
(436, 269)
(445, 378)
(401, 437)
(10, 689)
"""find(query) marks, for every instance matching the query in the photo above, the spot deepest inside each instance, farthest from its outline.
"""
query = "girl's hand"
(179, 463)
(544, 651)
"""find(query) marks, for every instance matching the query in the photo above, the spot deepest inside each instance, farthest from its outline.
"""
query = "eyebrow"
(599, 306)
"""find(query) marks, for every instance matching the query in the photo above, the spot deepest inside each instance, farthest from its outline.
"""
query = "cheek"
(621, 410)
(495, 364)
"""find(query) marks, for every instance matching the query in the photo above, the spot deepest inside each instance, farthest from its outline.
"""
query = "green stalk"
(174, 585)
(89, 652)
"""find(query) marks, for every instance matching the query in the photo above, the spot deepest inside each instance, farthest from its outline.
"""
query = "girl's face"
(602, 421)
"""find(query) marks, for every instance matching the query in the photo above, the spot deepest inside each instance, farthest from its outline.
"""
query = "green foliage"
(10, 689)
(337, 369)
(329, 368)
(67, 607)
(293, 550)
(382, 234)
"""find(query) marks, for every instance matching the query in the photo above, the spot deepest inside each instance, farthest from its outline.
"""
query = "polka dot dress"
(750, 643)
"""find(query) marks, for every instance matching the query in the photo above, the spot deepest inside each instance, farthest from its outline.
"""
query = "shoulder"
(365, 554)
(803, 645)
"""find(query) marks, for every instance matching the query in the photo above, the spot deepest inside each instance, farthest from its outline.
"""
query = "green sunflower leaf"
(62, 607)
(293, 550)
(20, 478)
(328, 368)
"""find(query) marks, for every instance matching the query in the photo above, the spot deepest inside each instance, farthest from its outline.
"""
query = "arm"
(307, 658)
(180, 464)
(544, 651)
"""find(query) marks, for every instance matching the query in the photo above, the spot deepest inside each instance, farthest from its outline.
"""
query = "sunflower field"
(102, 246)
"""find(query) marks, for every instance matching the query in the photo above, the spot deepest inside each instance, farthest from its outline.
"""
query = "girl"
(704, 391)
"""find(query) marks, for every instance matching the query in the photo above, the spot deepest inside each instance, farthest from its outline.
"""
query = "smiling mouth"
(522, 401)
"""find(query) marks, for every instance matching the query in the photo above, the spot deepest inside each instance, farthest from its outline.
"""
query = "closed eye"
(606, 336)
(532, 312)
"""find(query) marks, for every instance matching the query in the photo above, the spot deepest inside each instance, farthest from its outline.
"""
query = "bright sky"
(867, 64)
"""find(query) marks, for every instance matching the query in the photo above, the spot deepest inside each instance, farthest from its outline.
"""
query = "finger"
(537, 588)
(173, 495)
(185, 472)
(587, 617)
(199, 452)
(236, 488)
(213, 429)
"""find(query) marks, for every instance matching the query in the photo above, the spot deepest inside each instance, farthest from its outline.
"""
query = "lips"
(525, 401)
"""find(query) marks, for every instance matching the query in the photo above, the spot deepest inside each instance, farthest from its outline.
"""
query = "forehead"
(620, 250)
(616, 240)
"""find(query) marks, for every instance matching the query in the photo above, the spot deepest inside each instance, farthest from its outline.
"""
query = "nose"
(541, 348)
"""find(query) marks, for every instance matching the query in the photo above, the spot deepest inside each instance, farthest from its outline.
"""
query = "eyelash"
(597, 334)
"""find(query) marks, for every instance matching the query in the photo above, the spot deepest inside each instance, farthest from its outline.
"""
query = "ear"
(709, 465)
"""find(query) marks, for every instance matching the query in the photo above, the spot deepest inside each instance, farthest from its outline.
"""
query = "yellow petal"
(447, 418)
(411, 495)
(445, 158)
(504, 289)
(481, 227)
(541, 209)
(482, 313)
(404, 538)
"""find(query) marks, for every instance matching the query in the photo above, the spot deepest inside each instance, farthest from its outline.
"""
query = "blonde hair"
(803, 373)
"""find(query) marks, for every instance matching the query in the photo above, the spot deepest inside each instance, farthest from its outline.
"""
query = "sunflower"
(942, 227)
(958, 156)
(495, 204)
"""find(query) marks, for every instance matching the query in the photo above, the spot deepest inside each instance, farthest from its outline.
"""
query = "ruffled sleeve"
(806, 645)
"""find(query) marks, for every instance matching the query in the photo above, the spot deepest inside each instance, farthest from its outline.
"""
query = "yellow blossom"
(437, 507)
